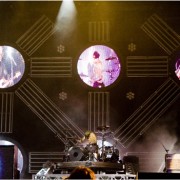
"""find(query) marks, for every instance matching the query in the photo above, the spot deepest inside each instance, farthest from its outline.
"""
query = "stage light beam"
(66, 18)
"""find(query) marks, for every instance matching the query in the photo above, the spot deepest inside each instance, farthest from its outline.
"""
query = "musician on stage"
(89, 142)
(89, 137)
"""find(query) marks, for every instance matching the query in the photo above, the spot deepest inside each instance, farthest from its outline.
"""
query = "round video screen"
(177, 68)
(12, 66)
(98, 66)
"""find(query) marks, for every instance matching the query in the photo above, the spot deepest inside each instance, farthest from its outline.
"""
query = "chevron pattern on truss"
(98, 110)
(6, 112)
(37, 159)
(147, 66)
(149, 161)
(99, 31)
(39, 32)
(56, 120)
(147, 113)
(162, 34)
(51, 67)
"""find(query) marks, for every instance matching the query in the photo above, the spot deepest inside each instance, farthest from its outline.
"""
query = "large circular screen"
(12, 66)
(177, 70)
(98, 66)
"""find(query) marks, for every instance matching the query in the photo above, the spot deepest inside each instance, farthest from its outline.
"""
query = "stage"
(139, 176)
(103, 170)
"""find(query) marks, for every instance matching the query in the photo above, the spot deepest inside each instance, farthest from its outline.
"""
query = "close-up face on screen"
(12, 66)
(98, 66)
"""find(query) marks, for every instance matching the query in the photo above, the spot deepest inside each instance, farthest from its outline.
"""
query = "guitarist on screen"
(5, 80)
(3, 70)
(95, 71)
(177, 71)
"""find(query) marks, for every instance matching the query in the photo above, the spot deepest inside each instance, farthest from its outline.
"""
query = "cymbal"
(100, 133)
(105, 135)
(103, 128)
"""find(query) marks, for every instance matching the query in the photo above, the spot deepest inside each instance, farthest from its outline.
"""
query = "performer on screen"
(177, 71)
(95, 71)
(7, 75)
(3, 70)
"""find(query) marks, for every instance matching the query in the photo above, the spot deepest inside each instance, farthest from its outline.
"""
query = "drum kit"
(93, 152)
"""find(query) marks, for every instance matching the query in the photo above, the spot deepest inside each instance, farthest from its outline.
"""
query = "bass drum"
(75, 153)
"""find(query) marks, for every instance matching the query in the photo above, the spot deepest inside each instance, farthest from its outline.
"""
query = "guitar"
(7, 82)
(178, 73)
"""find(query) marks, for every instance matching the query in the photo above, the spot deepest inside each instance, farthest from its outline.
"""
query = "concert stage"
(103, 170)
(126, 176)
(95, 166)
(127, 169)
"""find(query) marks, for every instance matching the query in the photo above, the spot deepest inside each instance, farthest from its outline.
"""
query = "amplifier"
(172, 162)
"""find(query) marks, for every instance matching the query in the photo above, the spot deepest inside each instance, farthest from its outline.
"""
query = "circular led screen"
(177, 71)
(98, 66)
(11, 66)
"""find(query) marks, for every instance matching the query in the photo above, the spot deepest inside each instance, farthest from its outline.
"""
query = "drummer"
(89, 137)
(89, 142)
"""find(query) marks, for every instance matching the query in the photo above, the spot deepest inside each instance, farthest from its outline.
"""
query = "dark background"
(125, 19)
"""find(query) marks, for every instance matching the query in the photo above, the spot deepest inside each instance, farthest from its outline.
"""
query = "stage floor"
(139, 176)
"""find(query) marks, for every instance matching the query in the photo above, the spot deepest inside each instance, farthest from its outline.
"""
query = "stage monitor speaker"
(6, 162)
(133, 161)
(172, 162)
